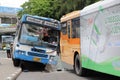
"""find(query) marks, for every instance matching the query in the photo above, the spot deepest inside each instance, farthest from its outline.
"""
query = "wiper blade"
(53, 44)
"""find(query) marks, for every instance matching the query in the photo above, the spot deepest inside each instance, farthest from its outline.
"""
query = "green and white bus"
(100, 38)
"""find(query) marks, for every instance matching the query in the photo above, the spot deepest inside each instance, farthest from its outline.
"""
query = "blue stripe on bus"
(30, 58)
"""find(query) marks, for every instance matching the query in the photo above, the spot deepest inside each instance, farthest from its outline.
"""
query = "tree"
(53, 8)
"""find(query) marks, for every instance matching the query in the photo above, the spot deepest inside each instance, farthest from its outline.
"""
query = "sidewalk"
(7, 70)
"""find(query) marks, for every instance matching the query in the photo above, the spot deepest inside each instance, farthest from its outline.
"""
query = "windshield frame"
(41, 42)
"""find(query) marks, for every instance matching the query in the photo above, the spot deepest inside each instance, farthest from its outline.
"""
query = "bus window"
(29, 33)
(76, 28)
(64, 28)
(68, 28)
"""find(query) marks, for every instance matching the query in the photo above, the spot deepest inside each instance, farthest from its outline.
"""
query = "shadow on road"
(92, 75)
(70, 70)
(32, 66)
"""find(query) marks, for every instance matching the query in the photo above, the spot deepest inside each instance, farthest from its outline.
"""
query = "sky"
(12, 3)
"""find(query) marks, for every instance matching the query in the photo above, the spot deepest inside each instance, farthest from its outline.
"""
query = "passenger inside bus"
(45, 37)
(53, 38)
(49, 36)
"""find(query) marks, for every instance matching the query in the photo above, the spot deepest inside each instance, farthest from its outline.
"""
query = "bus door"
(63, 39)
(68, 47)
(74, 39)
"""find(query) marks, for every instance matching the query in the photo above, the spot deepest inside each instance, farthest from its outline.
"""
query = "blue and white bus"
(36, 40)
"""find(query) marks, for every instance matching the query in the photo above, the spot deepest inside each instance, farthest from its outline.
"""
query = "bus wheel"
(16, 62)
(77, 66)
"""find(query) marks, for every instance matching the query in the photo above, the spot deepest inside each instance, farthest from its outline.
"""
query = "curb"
(14, 75)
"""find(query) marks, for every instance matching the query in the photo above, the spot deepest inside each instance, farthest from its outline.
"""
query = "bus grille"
(37, 54)
(38, 50)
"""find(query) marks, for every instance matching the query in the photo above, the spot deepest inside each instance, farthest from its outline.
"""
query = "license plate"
(36, 59)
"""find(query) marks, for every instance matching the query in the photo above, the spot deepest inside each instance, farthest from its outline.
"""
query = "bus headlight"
(52, 58)
(51, 52)
(21, 52)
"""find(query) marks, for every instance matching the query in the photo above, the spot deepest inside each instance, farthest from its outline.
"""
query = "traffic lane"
(91, 75)
(62, 75)
(36, 73)
(42, 75)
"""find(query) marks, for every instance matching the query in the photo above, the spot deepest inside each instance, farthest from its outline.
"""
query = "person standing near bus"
(8, 50)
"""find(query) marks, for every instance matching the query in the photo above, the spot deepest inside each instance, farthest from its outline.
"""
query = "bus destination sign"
(41, 22)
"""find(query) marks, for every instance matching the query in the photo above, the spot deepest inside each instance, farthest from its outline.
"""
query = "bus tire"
(78, 67)
(16, 62)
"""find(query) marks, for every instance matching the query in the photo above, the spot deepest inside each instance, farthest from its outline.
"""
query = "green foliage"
(53, 8)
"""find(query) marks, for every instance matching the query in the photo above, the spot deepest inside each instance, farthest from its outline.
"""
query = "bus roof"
(70, 16)
(98, 6)
(38, 17)
(38, 20)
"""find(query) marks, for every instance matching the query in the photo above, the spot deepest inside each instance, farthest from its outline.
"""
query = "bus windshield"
(7, 39)
(36, 35)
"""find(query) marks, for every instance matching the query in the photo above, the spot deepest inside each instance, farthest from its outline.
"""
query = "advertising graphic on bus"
(36, 40)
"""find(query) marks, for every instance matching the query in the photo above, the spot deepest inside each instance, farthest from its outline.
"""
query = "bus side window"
(76, 27)
(68, 28)
(64, 28)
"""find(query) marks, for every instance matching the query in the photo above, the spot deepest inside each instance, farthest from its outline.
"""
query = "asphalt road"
(36, 73)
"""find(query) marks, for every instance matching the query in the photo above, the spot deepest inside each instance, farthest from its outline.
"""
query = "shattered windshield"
(38, 35)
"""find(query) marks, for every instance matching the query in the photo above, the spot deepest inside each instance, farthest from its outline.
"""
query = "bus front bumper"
(47, 60)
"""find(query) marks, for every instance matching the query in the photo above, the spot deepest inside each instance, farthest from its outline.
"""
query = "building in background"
(8, 20)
